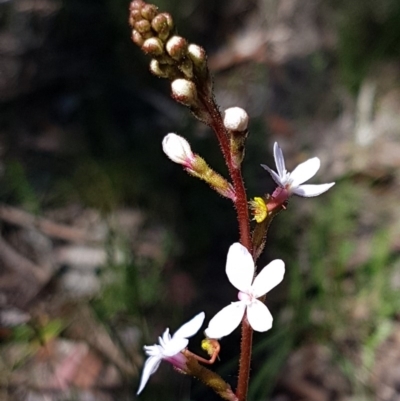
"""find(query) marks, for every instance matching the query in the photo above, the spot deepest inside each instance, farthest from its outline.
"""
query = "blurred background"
(104, 242)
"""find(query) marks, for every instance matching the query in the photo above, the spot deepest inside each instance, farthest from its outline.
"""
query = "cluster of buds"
(172, 56)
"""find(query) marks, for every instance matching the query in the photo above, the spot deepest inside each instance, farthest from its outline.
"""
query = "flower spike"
(240, 271)
(170, 349)
(293, 182)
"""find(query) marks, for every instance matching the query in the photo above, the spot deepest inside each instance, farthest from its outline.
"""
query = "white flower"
(178, 149)
(240, 271)
(170, 348)
(293, 181)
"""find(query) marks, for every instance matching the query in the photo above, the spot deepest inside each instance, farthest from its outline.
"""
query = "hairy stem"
(236, 176)
(242, 211)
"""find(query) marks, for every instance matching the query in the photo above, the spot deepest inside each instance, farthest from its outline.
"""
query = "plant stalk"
(242, 212)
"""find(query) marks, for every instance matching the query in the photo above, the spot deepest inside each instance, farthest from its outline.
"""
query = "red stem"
(245, 359)
(245, 239)
(236, 175)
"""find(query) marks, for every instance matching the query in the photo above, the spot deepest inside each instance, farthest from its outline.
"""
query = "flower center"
(246, 297)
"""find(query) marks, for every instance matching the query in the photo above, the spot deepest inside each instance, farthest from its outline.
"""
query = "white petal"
(240, 267)
(175, 346)
(268, 278)
(150, 366)
(177, 149)
(165, 338)
(309, 191)
(259, 316)
(226, 320)
(279, 160)
(190, 328)
(275, 176)
(304, 171)
(153, 350)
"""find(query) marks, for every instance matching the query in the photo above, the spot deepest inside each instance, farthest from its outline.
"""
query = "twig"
(21, 218)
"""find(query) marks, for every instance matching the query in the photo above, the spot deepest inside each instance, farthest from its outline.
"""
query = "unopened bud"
(149, 11)
(178, 150)
(153, 46)
(160, 23)
(184, 91)
(176, 47)
(236, 119)
(197, 54)
(134, 16)
(169, 19)
(137, 38)
(142, 26)
(157, 70)
(136, 5)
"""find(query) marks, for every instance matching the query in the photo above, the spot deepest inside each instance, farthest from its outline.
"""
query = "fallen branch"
(21, 218)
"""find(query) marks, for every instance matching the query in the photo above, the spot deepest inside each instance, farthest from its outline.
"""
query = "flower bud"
(153, 46)
(157, 69)
(178, 149)
(136, 5)
(170, 21)
(176, 47)
(159, 23)
(197, 54)
(134, 16)
(236, 119)
(142, 26)
(149, 11)
(137, 38)
(184, 91)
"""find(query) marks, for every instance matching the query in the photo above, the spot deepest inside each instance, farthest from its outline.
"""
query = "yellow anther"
(259, 209)
(207, 346)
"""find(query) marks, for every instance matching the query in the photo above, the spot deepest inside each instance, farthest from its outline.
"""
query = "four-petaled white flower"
(292, 182)
(240, 270)
(169, 349)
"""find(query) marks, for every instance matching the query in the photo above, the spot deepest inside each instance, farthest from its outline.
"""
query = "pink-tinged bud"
(176, 47)
(143, 26)
(184, 91)
(149, 11)
(236, 119)
(136, 4)
(153, 46)
(197, 54)
(134, 16)
(178, 150)
(170, 21)
(159, 23)
(137, 38)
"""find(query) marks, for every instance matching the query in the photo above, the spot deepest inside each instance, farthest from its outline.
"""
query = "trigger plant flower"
(169, 349)
(292, 183)
(240, 270)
